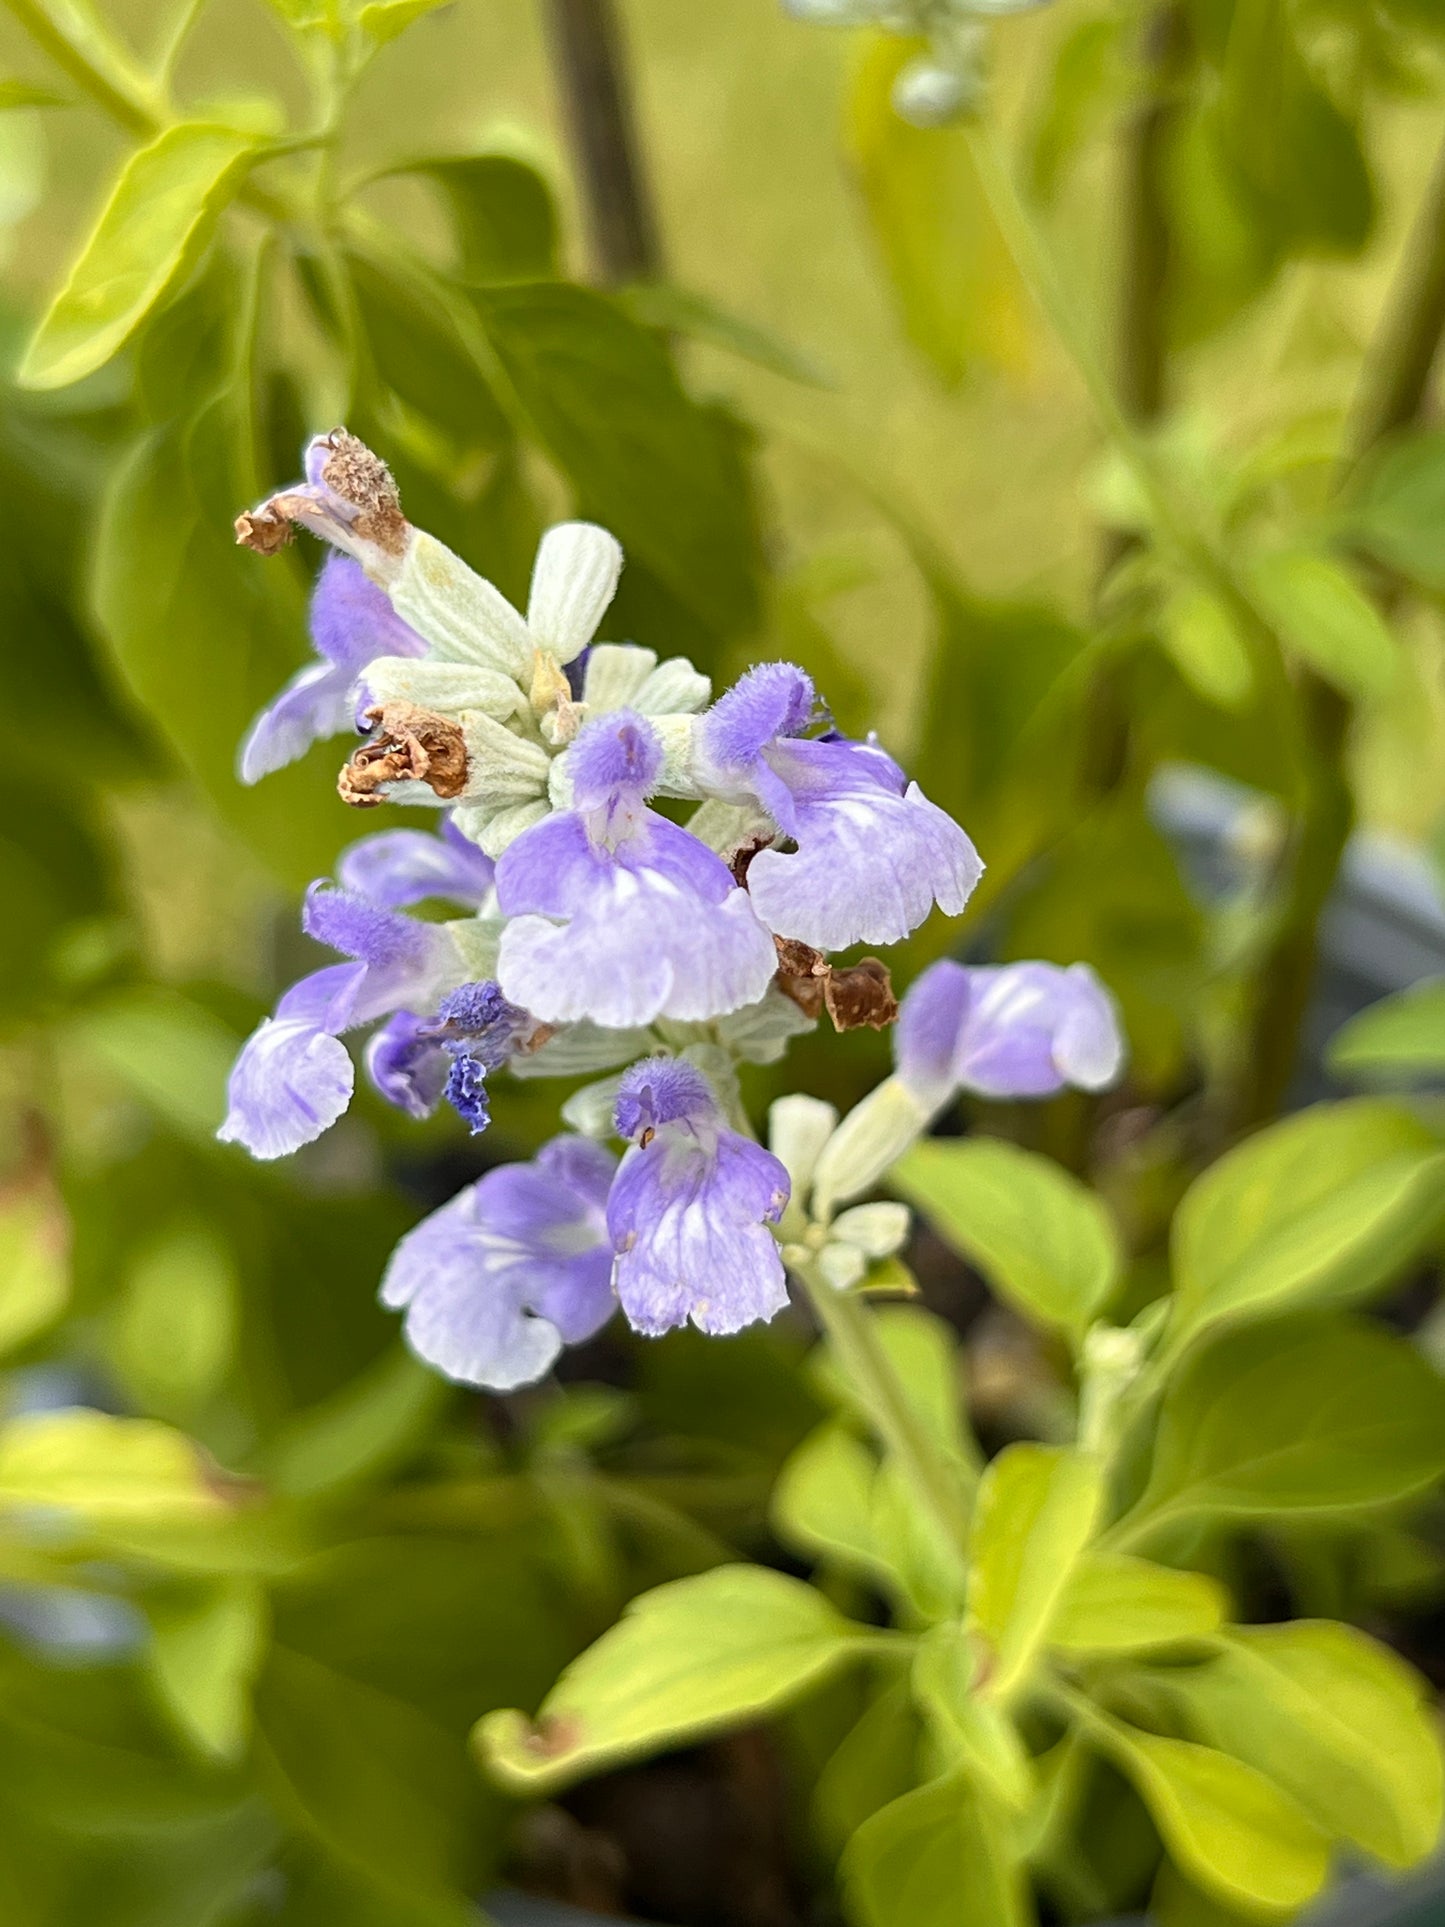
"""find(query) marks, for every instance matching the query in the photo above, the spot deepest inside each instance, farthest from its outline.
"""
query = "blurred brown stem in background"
(589, 58)
(1393, 392)
(1142, 354)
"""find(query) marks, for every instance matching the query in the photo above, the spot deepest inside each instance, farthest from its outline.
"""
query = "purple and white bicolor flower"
(690, 1209)
(1009, 1030)
(352, 623)
(872, 854)
(294, 1077)
(518, 1265)
(397, 868)
(618, 915)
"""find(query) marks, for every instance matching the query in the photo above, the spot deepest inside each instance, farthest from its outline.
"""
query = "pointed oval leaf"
(1329, 622)
(1230, 1829)
(1402, 1034)
(157, 217)
(1036, 1509)
(935, 1858)
(205, 1654)
(1044, 1241)
(1300, 1416)
(823, 1500)
(685, 1659)
(1319, 1209)
(1337, 1720)
(1113, 1603)
(106, 1469)
(34, 1261)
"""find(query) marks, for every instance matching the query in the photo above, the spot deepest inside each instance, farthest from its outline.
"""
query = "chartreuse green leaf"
(1401, 1035)
(1043, 1240)
(931, 1569)
(1327, 621)
(972, 1730)
(1112, 1603)
(937, 1856)
(1397, 507)
(822, 1503)
(1035, 1513)
(1335, 1719)
(176, 1328)
(1302, 1417)
(25, 93)
(205, 1652)
(120, 1469)
(158, 215)
(1202, 639)
(957, 290)
(875, 1762)
(686, 1659)
(1230, 1829)
(34, 1261)
(383, 20)
(1319, 1209)
(923, 1351)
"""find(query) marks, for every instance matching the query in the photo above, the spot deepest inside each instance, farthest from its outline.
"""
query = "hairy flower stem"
(854, 1338)
(591, 69)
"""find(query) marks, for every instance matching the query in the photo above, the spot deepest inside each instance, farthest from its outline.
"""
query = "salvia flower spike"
(575, 930)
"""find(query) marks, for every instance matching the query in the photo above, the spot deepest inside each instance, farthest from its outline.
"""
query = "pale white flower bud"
(873, 1136)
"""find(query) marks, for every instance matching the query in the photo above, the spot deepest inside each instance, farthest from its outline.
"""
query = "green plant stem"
(591, 68)
(117, 85)
(105, 71)
(850, 1329)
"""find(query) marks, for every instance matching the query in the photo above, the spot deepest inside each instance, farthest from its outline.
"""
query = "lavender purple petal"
(396, 868)
(1013, 1030)
(352, 622)
(690, 1209)
(513, 1268)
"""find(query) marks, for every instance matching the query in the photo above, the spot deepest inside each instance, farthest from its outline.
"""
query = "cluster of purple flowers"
(591, 933)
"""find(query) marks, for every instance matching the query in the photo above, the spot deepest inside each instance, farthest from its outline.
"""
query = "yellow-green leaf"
(122, 1469)
(1403, 1035)
(1231, 1830)
(1324, 618)
(205, 1653)
(155, 220)
(1035, 1514)
(1337, 1720)
(938, 1857)
(177, 1322)
(1043, 1240)
(1202, 639)
(1113, 1603)
(685, 1659)
(34, 1262)
(1319, 1209)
